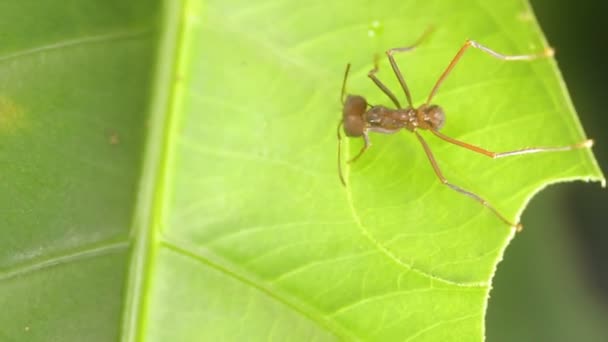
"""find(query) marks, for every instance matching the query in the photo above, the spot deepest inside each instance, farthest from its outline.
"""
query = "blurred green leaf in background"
(169, 169)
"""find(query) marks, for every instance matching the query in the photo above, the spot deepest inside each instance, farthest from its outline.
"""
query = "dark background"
(553, 283)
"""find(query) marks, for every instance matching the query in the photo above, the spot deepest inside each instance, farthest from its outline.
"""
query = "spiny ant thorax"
(387, 120)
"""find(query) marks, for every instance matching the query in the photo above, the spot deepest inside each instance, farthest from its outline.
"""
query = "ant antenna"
(340, 126)
(344, 82)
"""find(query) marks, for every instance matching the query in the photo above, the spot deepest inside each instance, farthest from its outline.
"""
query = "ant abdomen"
(352, 115)
(434, 116)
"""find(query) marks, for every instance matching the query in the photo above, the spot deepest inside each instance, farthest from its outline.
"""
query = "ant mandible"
(359, 117)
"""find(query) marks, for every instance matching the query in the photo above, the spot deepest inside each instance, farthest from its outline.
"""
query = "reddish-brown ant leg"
(474, 196)
(372, 74)
(363, 149)
(584, 144)
(471, 43)
(395, 67)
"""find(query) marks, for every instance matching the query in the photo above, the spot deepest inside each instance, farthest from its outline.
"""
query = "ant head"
(436, 116)
(352, 115)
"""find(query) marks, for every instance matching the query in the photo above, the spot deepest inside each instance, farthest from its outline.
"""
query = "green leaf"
(169, 170)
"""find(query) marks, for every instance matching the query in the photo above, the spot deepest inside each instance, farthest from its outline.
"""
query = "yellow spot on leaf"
(11, 116)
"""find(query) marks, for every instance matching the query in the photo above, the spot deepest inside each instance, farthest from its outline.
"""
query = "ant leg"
(372, 74)
(344, 82)
(340, 154)
(583, 144)
(518, 227)
(363, 149)
(395, 67)
(471, 43)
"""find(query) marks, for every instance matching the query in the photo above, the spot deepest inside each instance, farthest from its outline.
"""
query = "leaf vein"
(71, 256)
(104, 38)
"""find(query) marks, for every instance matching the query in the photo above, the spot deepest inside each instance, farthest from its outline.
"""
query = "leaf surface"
(171, 170)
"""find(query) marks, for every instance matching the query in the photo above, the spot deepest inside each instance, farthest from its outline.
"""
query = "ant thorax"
(387, 120)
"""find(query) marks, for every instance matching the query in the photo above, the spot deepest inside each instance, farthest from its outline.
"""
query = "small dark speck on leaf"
(113, 138)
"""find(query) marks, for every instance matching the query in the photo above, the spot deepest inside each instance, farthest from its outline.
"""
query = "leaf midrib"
(146, 218)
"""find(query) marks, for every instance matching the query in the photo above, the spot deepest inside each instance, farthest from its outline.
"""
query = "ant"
(359, 117)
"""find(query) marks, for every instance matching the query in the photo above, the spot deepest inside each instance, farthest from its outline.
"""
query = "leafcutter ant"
(359, 118)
